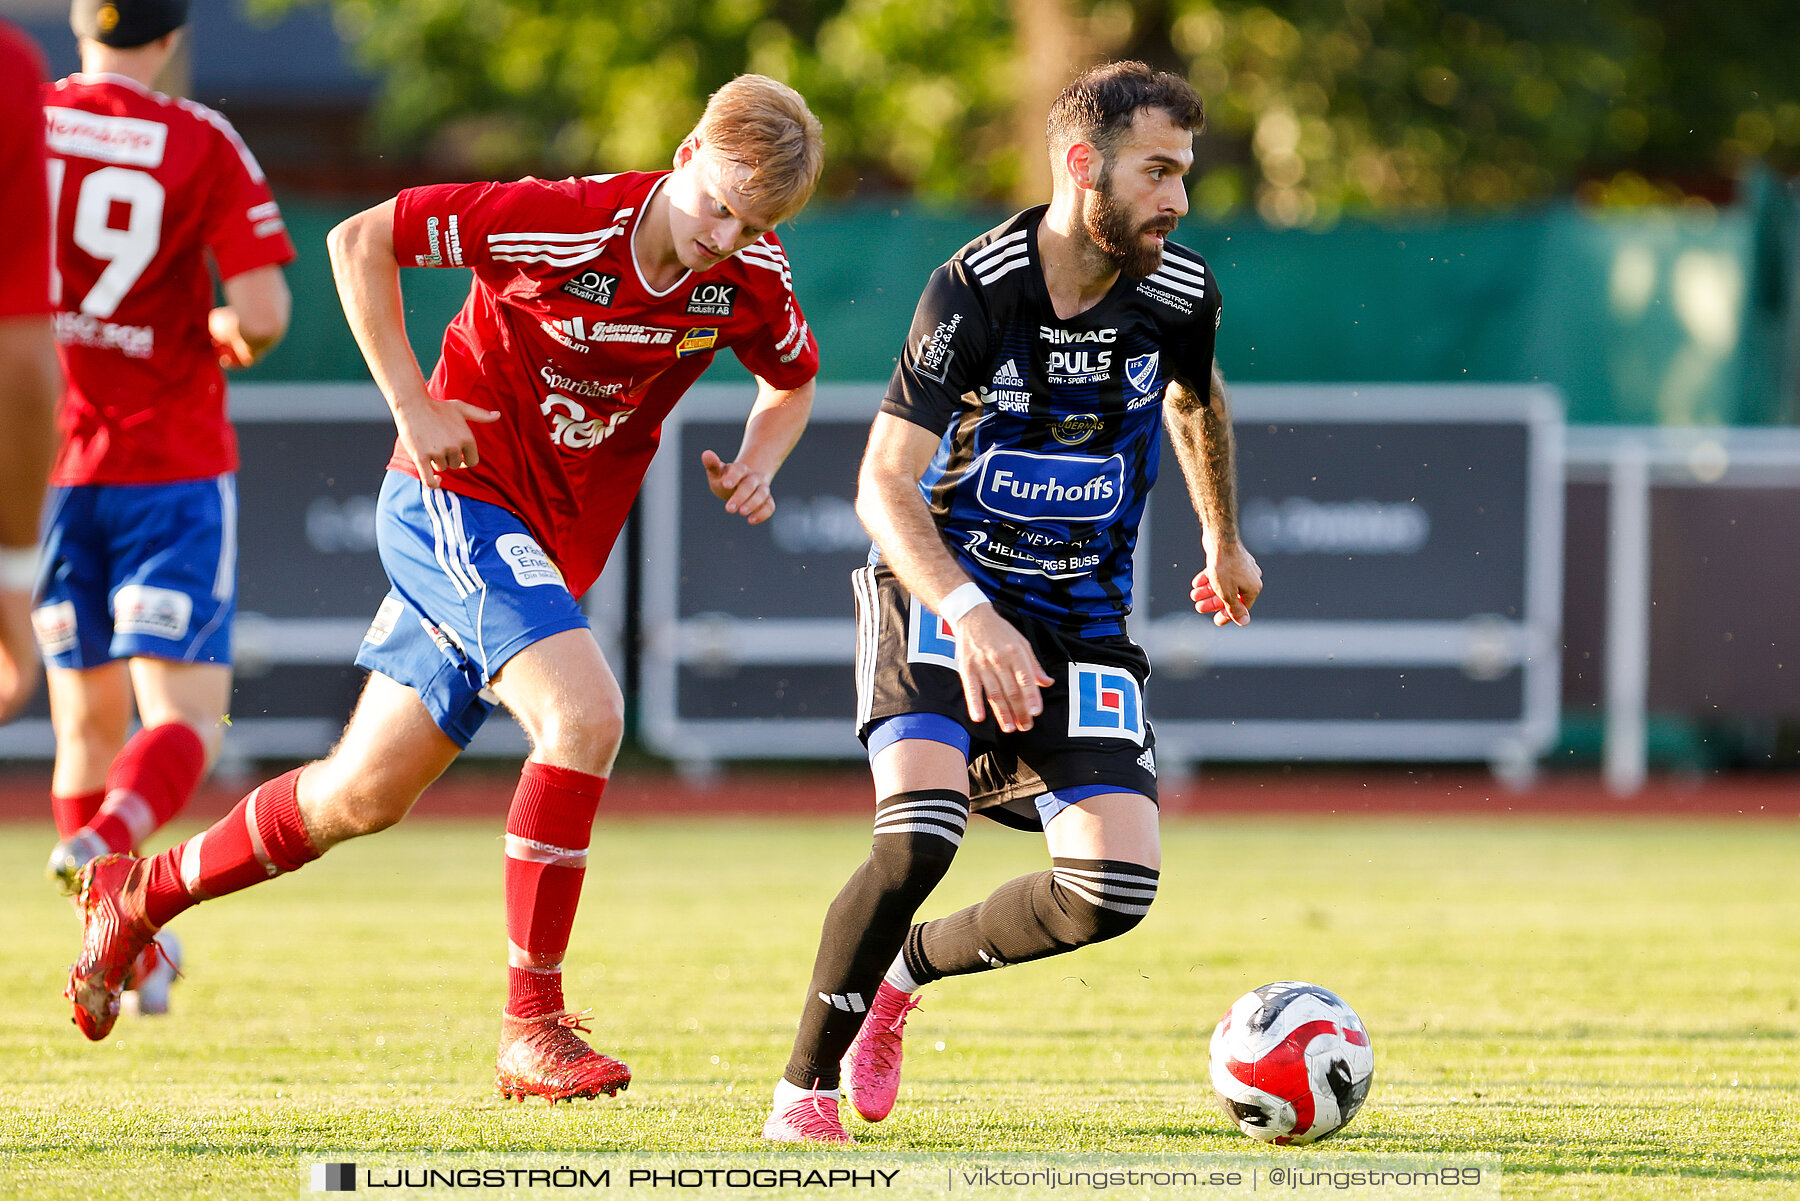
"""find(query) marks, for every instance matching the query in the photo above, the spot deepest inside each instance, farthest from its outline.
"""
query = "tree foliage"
(1317, 107)
(1334, 105)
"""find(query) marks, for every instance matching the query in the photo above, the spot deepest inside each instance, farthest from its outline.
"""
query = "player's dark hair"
(126, 24)
(1098, 107)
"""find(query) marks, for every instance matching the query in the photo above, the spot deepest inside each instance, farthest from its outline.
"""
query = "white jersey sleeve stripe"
(1175, 285)
(593, 244)
(555, 260)
(1181, 271)
(533, 235)
(771, 249)
(760, 250)
(1000, 247)
(541, 248)
(787, 279)
(990, 272)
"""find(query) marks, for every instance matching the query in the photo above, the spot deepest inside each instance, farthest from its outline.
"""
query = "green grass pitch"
(1613, 1008)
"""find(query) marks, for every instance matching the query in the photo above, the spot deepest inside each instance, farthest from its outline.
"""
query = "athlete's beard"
(1111, 228)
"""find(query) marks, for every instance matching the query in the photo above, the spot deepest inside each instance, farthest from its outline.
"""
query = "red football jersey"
(144, 189)
(24, 205)
(562, 337)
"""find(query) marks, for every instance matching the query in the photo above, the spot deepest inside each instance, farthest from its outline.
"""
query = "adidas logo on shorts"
(1147, 761)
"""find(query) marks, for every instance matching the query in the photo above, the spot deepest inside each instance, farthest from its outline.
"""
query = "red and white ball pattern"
(1291, 1062)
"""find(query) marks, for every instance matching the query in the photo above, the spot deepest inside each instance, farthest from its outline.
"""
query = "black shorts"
(1091, 738)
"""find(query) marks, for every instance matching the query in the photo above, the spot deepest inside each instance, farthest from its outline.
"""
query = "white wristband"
(19, 568)
(956, 606)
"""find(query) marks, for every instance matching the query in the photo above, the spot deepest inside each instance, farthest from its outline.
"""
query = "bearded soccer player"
(595, 304)
(1003, 484)
(139, 576)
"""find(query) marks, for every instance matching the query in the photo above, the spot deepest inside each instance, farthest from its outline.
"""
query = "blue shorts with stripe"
(471, 589)
(132, 570)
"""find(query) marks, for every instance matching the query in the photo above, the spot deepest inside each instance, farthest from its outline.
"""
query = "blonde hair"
(765, 126)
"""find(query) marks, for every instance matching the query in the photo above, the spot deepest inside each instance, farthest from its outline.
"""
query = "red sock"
(74, 812)
(547, 833)
(148, 784)
(263, 837)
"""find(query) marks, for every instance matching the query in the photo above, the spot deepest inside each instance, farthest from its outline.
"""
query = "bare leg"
(390, 753)
(565, 696)
(90, 710)
(194, 694)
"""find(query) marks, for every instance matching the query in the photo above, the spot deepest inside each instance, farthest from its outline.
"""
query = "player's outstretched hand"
(230, 346)
(998, 669)
(742, 489)
(1229, 586)
(437, 436)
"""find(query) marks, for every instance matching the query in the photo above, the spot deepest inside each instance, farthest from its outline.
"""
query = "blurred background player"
(139, 577)
(1003, 485)
(596, 303)
(27, 359)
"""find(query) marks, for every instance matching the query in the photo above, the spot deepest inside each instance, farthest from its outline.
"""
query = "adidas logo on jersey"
(575, 333)
(848, 1002)
(1008, 389)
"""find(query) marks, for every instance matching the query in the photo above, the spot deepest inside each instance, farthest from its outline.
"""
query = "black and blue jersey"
(1051, 429)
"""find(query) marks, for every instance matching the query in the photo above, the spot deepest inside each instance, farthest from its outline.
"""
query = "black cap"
(125, 24)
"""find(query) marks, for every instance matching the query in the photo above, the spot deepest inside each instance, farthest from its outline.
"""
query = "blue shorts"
(471, 589)
(132, 570)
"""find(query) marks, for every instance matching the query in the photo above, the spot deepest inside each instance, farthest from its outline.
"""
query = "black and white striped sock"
(1077, 902)
(916, 837)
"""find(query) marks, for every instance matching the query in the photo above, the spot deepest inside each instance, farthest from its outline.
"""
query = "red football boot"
(542, 1057)
(114, 933)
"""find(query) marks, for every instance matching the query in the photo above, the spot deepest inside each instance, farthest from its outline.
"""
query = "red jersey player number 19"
(144, 189)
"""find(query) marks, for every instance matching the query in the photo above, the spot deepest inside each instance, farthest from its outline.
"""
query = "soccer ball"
(1291, 1062)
